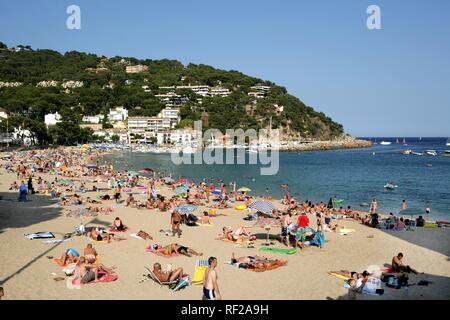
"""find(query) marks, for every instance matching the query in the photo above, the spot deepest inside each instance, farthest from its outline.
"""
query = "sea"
(355, 175)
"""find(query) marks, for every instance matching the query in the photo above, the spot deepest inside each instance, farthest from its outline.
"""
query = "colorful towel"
(278, 250)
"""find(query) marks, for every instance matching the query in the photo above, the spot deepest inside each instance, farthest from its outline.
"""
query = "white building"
(52, 119)
(72, 84)
(118, 114)
(10, 84)
(177, 137)
(3, 114)
(47, 84)
(173, 114)
(219, 91)
(136, 69)
(92, 119)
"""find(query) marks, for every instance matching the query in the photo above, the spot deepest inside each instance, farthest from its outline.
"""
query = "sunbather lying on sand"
(174, 248)
(240, 234)
(89, 272)
(257, 263)
(167, 276)
(350, 274)
(103, 236)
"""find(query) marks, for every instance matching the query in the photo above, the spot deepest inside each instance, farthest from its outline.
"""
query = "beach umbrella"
(168, 180)
(91, 165)
(267, 224)
(262, 206)
(145, 174)
(180, 190)
(133, 173)
(186, 208)
(244, 189)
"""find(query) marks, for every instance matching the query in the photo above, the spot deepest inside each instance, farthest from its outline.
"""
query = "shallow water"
(353, 175)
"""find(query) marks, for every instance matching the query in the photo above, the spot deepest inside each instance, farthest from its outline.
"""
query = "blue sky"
(389, 82)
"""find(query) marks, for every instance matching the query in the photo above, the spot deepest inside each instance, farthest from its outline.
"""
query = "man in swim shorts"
(210, 286)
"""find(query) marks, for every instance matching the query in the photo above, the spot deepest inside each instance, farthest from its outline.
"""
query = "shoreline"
(304, 277)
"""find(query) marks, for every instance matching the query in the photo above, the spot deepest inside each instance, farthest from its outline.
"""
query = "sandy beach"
(27, 273)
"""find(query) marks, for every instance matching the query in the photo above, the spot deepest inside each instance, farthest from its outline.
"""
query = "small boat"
(447, 153)
(385, 143)
(404, 142)
(432, 153)
(417, 153)
(390, 186)
(396, 141)
(448, 142)
(408, 151)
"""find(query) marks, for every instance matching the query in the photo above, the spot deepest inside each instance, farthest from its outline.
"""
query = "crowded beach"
(74, 227)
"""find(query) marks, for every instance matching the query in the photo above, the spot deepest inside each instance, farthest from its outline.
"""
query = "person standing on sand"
(175, 221)
(404, 205)
(373, 206)
(210, 286)
(285, 222)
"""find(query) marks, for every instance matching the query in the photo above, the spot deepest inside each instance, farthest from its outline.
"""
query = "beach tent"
(262, 206)
(244, 189)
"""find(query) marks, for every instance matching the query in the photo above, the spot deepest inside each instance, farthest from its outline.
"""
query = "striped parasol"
(180, 190)
(185, 208)
(262, 206)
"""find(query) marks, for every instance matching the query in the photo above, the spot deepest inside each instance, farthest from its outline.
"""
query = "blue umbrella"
(181, 190)
(262, 206)
(186, 208)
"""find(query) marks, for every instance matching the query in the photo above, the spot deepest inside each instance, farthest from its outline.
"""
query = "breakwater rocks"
(347, 143)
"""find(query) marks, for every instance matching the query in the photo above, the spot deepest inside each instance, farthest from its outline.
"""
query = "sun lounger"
(174, 283)
(199, 273)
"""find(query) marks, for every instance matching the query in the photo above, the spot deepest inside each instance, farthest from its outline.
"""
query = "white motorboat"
(385, 143)
(417, 153)
(447, 153)
(390, 186)
(448, 142)
(432, 153)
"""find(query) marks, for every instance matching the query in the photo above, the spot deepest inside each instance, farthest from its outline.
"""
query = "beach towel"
(278, 250)
(56, 241)
(125, 229)
(39, 235)
(159, 253)
(204, 225)
(134, 235)
(339, 276)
